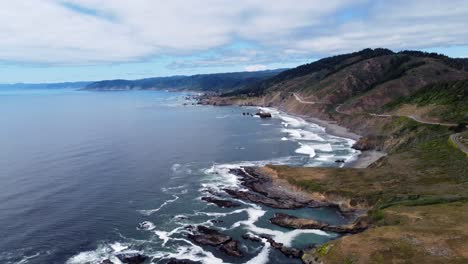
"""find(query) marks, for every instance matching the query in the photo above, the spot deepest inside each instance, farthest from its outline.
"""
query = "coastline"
(361, 161)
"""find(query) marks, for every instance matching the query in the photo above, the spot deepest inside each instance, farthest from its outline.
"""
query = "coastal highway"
(456, 138)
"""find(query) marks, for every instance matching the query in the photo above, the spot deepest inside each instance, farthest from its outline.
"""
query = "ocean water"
(80, 170)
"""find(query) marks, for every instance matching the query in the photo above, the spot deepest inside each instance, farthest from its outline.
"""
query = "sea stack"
(263, 114)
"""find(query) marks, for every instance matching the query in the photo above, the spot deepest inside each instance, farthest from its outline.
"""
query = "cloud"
(255, 67)
(100, 31)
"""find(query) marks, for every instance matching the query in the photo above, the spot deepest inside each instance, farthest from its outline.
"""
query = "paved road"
(456, 139)
(298, 98)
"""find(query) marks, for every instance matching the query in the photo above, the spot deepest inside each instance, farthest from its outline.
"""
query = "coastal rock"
(207, 236)
(251, 237)
(221, 203)
(294, 222)
(287, 251)
(106, 261)
(266, 192)
(132, 258)
(211, 237)
(262, 114)
(231, 248)
(182, 261)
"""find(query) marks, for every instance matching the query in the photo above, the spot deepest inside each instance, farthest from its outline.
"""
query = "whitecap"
(146, 225)
(306, 149)
(152, 211)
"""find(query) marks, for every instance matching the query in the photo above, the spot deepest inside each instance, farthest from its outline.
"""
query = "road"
(456, 139)
(298, 98)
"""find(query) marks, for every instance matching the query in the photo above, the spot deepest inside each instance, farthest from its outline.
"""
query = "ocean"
(80, 170)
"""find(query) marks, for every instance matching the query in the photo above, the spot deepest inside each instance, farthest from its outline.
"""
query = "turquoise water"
(80, 170)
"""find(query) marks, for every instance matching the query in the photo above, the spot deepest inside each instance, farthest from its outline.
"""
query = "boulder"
(221, 203)
(208, 236)
(132, 258)
(231, 248)
(262, 114)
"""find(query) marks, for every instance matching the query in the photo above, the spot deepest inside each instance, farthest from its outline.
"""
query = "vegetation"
(448, 99)
(417, 196)
(329, 65)
(202, 82)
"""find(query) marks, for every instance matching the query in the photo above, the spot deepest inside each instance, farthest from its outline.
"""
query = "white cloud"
(255, 67)
(47, 31)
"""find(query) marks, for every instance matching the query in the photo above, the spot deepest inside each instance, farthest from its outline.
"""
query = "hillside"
(218, 82)
(413, 106)
(344, 88)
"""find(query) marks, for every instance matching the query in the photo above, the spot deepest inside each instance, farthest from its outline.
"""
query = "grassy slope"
(448, 101)
(418, 195)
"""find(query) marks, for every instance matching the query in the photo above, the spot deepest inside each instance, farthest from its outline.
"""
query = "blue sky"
(73, 40)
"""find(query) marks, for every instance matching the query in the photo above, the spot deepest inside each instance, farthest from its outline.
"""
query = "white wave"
(146, 225)
(152, 211)
(118, 247)
(262, 257)
(27, 258)
(301, 134)
(322, 147)
(255, 212)
(306, 149)
(284, 138)
(165, 189)
(175, 167)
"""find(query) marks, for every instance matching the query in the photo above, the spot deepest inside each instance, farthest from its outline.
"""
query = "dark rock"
(189, 227)
(264, 191)
(221, 203)
(287, 251)
(294, 222)
(182, 261)
(251, 237)
(106, 261)
(207, 236)
(132, 258)
(231, 248)
(263, 114)
(340, 161)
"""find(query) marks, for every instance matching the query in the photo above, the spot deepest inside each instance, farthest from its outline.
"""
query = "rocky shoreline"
(266, 189)
(263, 188)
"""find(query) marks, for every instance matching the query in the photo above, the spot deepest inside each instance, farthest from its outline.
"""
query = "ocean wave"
(149, 212)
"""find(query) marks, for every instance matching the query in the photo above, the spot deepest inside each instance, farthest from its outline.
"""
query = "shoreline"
(361, 161)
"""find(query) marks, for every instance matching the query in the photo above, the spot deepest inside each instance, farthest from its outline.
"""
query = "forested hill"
(218, 82)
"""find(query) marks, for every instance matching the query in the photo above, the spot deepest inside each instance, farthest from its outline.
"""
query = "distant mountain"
(63, 85)
(218, 82)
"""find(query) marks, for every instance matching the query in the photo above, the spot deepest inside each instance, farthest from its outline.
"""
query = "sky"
(86, 40)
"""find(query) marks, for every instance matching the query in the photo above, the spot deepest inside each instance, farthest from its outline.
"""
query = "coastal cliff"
(407, 104)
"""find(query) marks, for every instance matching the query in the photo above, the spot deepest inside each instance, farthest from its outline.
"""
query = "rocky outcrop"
(211, 237)
(268, 193)
(294, 222)
(106, 261)
(262, 114)
(181, 261)
(231, 248)
(287, 251)
(132, 258)
(207, 236)
(221, 203)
